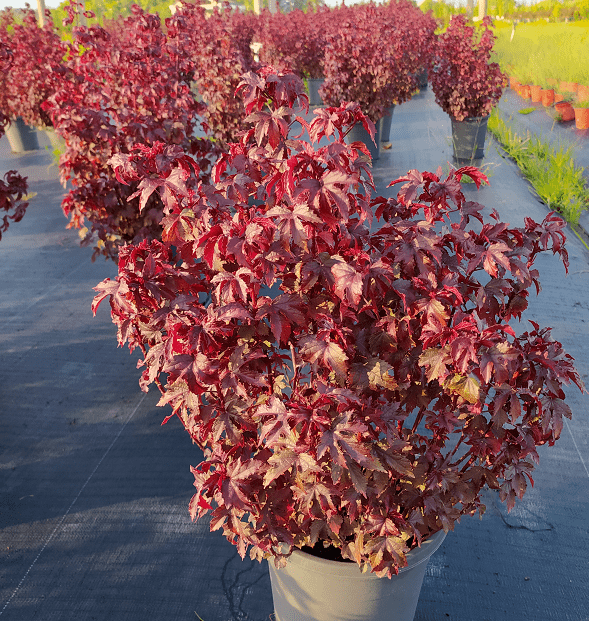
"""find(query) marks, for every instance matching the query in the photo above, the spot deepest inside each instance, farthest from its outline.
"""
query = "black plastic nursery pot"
(468, 140)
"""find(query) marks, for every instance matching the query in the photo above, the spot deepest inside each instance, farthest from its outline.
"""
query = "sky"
(20, 4)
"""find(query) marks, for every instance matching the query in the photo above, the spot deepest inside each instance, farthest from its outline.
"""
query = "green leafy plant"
(552, 172)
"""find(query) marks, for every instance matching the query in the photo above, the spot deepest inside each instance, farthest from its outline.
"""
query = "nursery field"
(336, 330)
(539, 52)
(96, 492)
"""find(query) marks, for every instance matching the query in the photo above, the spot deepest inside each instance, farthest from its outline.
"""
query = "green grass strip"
(551, 171)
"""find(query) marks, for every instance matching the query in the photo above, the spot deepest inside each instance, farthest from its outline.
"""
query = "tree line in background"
(105, 10)
(441, 10)
(552, 10)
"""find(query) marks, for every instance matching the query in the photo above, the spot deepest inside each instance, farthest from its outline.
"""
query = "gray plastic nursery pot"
(21, 137)
(314, 84)
(359, 134)
(315, 589)
(385, 123)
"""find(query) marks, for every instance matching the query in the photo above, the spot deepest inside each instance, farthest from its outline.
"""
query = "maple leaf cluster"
(13, 189)
(346, 362)
(32, 75)
(466, 83)
(376, 71)
(295, 41)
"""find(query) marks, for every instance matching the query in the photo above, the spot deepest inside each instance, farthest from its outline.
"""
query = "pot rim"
(471, 119)
(314, 564)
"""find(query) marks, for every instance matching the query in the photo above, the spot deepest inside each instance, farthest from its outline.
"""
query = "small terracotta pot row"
(581, 91)
(548, 98)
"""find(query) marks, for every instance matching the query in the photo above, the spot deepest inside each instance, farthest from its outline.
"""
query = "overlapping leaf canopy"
(352, 385)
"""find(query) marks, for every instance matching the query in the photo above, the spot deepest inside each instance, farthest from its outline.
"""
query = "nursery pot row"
(315, 589)
(565, 110)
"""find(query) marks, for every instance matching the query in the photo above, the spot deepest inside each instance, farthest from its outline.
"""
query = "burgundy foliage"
(464, 80)
(122, 87)
(295, 41)
(12, 191)
(6, 57)
(14, 187)
(346, 386)
(33, 75)
(373, 70)
(217, 49)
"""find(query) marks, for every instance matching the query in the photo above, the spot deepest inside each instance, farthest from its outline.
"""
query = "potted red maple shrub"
(295, 41)
(356, 57)
(353, 387)
(27, 82)
(410, 37)
(217, 48)
(466, 84)
(124, 84)
(375, 71)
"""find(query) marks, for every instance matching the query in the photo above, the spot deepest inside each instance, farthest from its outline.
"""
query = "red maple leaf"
(348, 281)
(324, 352)
(283, 312)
